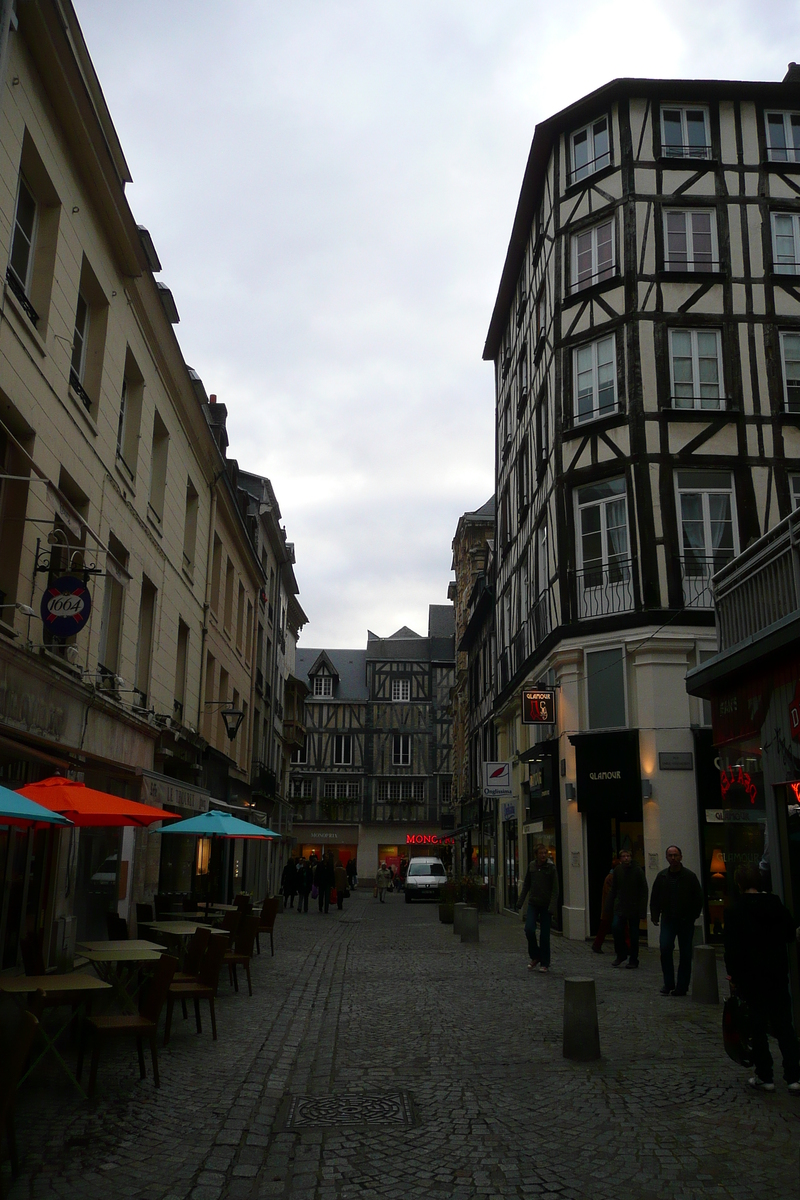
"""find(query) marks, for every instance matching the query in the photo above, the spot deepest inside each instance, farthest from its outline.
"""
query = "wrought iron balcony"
(79, 389)
(761, 586)
(19, 291)
(697, 571)
(605, 588)
(541, 617)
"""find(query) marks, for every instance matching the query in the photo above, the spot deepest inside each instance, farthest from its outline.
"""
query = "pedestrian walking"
(604, 926)
(627, 904)
(676, 901)
(382, 880)
(304, 878)
(758, 930)
(340, 883)
(289, 883)
(352, 877)
(541, 888)
(323, 878)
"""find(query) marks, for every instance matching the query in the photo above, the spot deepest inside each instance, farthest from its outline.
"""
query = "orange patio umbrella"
(86, 806)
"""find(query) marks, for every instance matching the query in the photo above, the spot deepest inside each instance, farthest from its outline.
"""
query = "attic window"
(323, 685)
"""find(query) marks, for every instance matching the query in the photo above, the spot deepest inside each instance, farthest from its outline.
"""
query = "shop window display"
(735, 829)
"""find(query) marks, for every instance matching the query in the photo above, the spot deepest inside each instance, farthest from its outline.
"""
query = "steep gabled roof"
(322, 660)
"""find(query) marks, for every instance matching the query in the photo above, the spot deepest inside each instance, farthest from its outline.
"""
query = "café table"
(75, 989)
(131, 944)
(120, 966)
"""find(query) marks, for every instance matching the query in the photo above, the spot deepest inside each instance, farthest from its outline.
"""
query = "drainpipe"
(207, 604)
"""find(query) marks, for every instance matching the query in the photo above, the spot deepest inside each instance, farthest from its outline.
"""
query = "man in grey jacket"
(541, 881)
(676, 901)
(627, 901)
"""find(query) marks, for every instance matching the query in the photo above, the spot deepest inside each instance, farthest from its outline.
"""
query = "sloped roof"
(349, 665)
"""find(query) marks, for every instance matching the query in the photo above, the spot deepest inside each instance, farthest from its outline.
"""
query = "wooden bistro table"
(118, 964)
(132, 944)
(75, 989)
(177, 934)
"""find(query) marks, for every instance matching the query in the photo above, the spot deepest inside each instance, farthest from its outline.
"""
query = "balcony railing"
(19, 291)
(697, 571)
(605, 588)
(541, 618)
(79, 389)
(761, 586)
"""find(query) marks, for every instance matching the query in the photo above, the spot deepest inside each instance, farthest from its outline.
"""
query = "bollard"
(469, 924)
(458, 909)
(705, 989)
(581, 1032)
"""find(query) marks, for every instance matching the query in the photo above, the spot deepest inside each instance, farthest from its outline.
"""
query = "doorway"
(606, 837)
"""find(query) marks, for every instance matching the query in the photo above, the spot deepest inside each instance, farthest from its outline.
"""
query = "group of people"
(758, 932)
(317, 878)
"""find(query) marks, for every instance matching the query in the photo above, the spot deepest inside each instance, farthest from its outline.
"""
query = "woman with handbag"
(340, 883)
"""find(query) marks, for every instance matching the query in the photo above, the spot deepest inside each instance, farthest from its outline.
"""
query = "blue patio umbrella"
(20, 811)
(217, 824)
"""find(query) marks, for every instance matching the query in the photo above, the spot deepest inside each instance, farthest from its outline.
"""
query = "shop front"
(542, 826)
(340, 840)
(609, 795)
(184, 860)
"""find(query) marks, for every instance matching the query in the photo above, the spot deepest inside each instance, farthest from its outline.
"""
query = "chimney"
(793, 74)
(212, 399)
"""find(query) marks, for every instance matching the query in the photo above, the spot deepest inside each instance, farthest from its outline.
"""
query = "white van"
(425, 877)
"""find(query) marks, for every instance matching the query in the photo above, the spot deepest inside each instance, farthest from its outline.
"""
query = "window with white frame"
(342, 749)
(540, 313)
(401, 690)
(790, 360)
(79, 337)
(604, 573)
(594, 379)
(23, 236)
(300, 753)
(323, 685)
(794, 487)
(708, 532)
(695, 359)
(590, 149)
(445, 792)
(592, 255)
(786, 243)
(783, 136)
(302, 789)
(392, 791)
(401, 750)
(340, 791)
(690, 240)
(684, 132)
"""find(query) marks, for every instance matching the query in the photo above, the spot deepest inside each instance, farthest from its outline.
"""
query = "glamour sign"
(538, 706)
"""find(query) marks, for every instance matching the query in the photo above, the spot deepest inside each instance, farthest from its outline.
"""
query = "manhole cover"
(389, 1108)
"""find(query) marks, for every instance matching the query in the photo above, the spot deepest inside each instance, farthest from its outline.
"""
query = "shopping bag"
(334, 895)
(314, 892)
(736, 1031)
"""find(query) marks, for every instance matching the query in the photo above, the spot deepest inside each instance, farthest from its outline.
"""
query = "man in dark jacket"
(676, 901)
(289, 883)
(758, 930)
(305, 881)
(627, 901)
(323, 878)
(541, 881)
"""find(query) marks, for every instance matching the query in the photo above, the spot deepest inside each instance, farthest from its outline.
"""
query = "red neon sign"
(427, 839)
(730, 776)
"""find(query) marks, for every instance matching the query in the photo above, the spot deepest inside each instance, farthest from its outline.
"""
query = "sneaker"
(543, 968)
(794, 1088)
(618, 962)
(761, 1085)
(533, 963)
(633, 966)
(679, 992)
(666, 991)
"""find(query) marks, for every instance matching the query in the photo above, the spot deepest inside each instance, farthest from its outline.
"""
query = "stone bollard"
(705, 988)
(581, 1032)
(458, 910)
(469, 924)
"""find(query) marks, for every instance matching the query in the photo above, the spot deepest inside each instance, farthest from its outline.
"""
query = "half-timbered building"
(646, 349)
(376, 761)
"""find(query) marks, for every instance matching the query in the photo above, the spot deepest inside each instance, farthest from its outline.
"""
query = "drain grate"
(386, 1108)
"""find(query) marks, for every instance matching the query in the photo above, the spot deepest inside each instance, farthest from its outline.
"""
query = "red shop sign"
(427, 839)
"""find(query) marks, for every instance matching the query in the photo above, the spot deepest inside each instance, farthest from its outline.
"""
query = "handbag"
(737, 1037)
(314, 892)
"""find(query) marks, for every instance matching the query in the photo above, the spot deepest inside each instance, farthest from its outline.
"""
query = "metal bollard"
(469, 924)
(581, 1031)
(458, 910)
(705, 988)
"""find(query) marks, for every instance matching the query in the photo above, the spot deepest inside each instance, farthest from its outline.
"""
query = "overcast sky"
(330, 185)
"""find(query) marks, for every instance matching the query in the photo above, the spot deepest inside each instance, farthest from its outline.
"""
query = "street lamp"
(233, 718)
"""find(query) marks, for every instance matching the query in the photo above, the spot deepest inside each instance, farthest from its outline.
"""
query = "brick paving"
(456, 1051)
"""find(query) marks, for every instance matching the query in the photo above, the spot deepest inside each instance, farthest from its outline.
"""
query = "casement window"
(88, 339)
(590, 149)
(684, 133)
(343, 750)
(540, 314)
(794, 487)
(445, 792)
(393, 791)
(690, 240)
(300, 753)
(708, 532)
(130, 416)
(113, 605)
(696, 368)
(302, 789)
(505, 518)
(79, 338)
(190, 526)
(401, 690)
(790, 360)
(786, 243)
(783, 136)
(604, 572)
(542, 432)
(20, 264)
(340, 791)
(158, 486)
(401, 750)
(323, 685)
(522, 381)
(523, 480)
(594, 379)
(592, 255)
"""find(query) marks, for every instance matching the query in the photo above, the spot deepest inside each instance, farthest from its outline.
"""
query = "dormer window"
(590, 149)
(323, 686)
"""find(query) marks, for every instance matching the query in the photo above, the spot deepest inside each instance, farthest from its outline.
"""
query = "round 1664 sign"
(66, 606)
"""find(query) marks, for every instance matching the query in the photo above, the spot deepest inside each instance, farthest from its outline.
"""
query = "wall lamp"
(25, 609)
(232, 717)
(647, 789)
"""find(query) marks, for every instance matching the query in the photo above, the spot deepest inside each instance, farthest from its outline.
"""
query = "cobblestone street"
(449, 1059)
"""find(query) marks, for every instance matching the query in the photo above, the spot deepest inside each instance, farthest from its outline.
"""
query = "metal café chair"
(203, 988)
(12, 1065)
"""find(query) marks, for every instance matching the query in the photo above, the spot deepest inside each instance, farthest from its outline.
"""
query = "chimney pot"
(212, 399)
